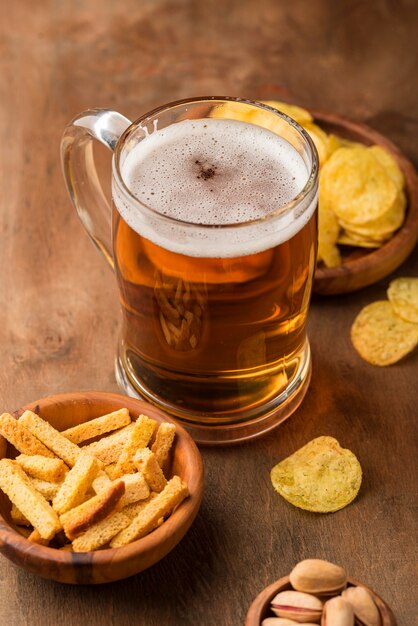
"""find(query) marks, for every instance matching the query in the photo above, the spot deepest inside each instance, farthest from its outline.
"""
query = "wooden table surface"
(60, 313)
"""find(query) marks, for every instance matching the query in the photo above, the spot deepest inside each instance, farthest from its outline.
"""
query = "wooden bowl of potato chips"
(368, 206)
(86, 435)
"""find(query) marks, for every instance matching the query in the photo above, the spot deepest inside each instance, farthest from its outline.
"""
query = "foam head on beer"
(214, 172)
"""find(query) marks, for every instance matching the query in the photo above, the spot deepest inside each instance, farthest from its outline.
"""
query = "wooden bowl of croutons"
(94, 487)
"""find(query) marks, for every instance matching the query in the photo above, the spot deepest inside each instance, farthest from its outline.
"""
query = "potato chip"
(356, 186)
(352, 239)
(390, 165)
(335, 143)
(380, 336)
(241, 112)
(233, 111)
(328, 231)
(300, 115)
(320, 477)
(320, 139)
(383, 227)
(403, 296)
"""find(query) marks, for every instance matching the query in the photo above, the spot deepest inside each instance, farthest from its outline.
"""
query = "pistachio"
(277, 621)
(337, 612)
(282, 621)
(318, 576)
(297, 606)
(365, 609)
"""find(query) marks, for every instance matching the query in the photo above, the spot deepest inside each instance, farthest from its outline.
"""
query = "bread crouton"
(21, 438)
(35, 537)
(76, 484)
(18, 518)
(139, 437)
(18, 487)
(98, 426)
(42, 467)
(46, 488)
(51, 437)
(163, 442)
(146, 463)
(78, 520)
(149, 518)
(132, 510)
(101, 533)
(102, 481)
(108, 449)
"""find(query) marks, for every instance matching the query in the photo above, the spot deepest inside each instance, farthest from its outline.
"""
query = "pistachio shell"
(365, 609)
(297, 606)
(318, 576)
(337, 612)
(282, 621)
(277, 621)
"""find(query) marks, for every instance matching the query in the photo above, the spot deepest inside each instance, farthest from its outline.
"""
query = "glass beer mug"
(212, 236)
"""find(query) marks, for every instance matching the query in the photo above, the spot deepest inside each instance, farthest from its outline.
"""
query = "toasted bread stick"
(102, 481)
(111, 471)
(98, 426)
(108, 449)
(76, 484)
(101, 533)
(138, 438)
(18, 487)
(18, 518)
(43, 467)
(51, 437)
(132, 510)
(146, 463)
(21, 438)
(36, 537)
(78, 520)
(136, 487)
(148, 519)
(46, 488)
(163, 442)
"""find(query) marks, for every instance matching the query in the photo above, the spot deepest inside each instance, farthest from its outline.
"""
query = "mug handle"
(80, 171)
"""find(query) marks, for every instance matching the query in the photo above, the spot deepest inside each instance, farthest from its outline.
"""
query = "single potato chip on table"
(380, 336)
(321, 477)
(403, 296)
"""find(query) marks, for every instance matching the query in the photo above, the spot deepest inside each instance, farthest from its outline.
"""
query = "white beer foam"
(208, 173)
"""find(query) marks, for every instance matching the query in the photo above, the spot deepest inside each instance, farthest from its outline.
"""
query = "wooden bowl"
(362, 267)
(260, 608)
(64, 411)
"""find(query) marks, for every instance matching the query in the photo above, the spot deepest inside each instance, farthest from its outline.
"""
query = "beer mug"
(212, 236)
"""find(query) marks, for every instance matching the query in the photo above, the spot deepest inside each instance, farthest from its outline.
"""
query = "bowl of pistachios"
(318, 592)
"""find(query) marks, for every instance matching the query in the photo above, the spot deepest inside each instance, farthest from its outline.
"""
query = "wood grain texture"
(59, 310)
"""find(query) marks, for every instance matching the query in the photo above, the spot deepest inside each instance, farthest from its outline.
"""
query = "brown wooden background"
(58, 302)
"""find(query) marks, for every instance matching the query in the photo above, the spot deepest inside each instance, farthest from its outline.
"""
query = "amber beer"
(215, 293)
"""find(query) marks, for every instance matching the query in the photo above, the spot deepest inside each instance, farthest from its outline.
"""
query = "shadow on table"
(159, 595)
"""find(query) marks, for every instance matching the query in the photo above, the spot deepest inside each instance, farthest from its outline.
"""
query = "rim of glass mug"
(123, 189)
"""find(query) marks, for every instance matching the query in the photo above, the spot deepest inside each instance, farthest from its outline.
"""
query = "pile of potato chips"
(386, 331)
(361, 189)
(321, 477)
